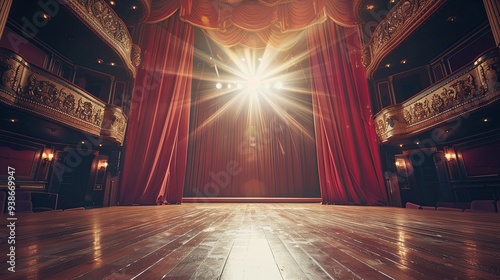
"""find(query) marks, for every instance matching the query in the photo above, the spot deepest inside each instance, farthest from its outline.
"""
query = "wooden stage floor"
(257, 241)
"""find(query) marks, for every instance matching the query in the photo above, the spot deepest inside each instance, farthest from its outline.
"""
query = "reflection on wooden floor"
(254, 241)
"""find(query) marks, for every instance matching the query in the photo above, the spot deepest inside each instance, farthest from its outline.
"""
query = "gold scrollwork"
(100, 17)
(460, 93)
(400, 18)
(136, 55)
(28, 88)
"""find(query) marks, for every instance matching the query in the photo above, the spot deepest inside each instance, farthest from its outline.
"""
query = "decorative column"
(493, 10)
(4, 14)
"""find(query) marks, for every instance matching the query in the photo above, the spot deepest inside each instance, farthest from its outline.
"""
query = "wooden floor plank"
(254, 241)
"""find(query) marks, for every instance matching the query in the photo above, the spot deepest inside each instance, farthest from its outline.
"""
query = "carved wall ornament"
(444, 101)
(39, 92)
(136, 55)
(490, 76)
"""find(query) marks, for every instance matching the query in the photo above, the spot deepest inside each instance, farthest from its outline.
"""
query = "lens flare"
(256, 82)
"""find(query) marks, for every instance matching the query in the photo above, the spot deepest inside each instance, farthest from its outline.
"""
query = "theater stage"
(254, 241)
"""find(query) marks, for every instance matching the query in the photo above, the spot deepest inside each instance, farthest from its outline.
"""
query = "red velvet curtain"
(259, 23)
(241, 146)
(156, 144)
(348, 156)
(234, 154)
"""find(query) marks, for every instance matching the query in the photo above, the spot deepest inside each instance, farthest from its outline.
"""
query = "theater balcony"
(83, 30)
(475, 87)
(67, 70)
(432, 69)
(38, 92)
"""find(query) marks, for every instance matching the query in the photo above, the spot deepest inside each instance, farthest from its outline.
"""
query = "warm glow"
(102, 164)
(253, 78)
(253, 83)
(447, 156)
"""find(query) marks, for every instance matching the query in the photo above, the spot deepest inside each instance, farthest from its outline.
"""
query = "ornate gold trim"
(472, 88)
(404, 18)
(37, 91)
(107, 25)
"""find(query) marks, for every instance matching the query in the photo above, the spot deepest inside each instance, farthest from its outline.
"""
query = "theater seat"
(410, 205)
(482, 206)
(428, 208)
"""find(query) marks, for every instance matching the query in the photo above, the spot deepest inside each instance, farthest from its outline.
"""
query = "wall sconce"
(102, 165)
(450, 155)
(400, 163)
(47, 157)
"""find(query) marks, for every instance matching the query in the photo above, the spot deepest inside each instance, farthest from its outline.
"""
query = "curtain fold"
(156, 144)
(348, 156)
(245, 152)
(256, 24)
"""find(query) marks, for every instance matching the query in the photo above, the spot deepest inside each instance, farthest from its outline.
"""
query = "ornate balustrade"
(38, 92)
(405, 17)
(470, 89)
(108, 26)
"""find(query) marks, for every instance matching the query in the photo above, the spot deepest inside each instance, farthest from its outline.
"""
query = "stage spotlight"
(239, 86)
(229, 86)
(218, 86)
(278, 85)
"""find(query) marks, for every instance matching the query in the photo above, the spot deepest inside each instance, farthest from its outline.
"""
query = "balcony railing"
(405, 17)
(472, 88)
(100, 17)
(36, 91)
